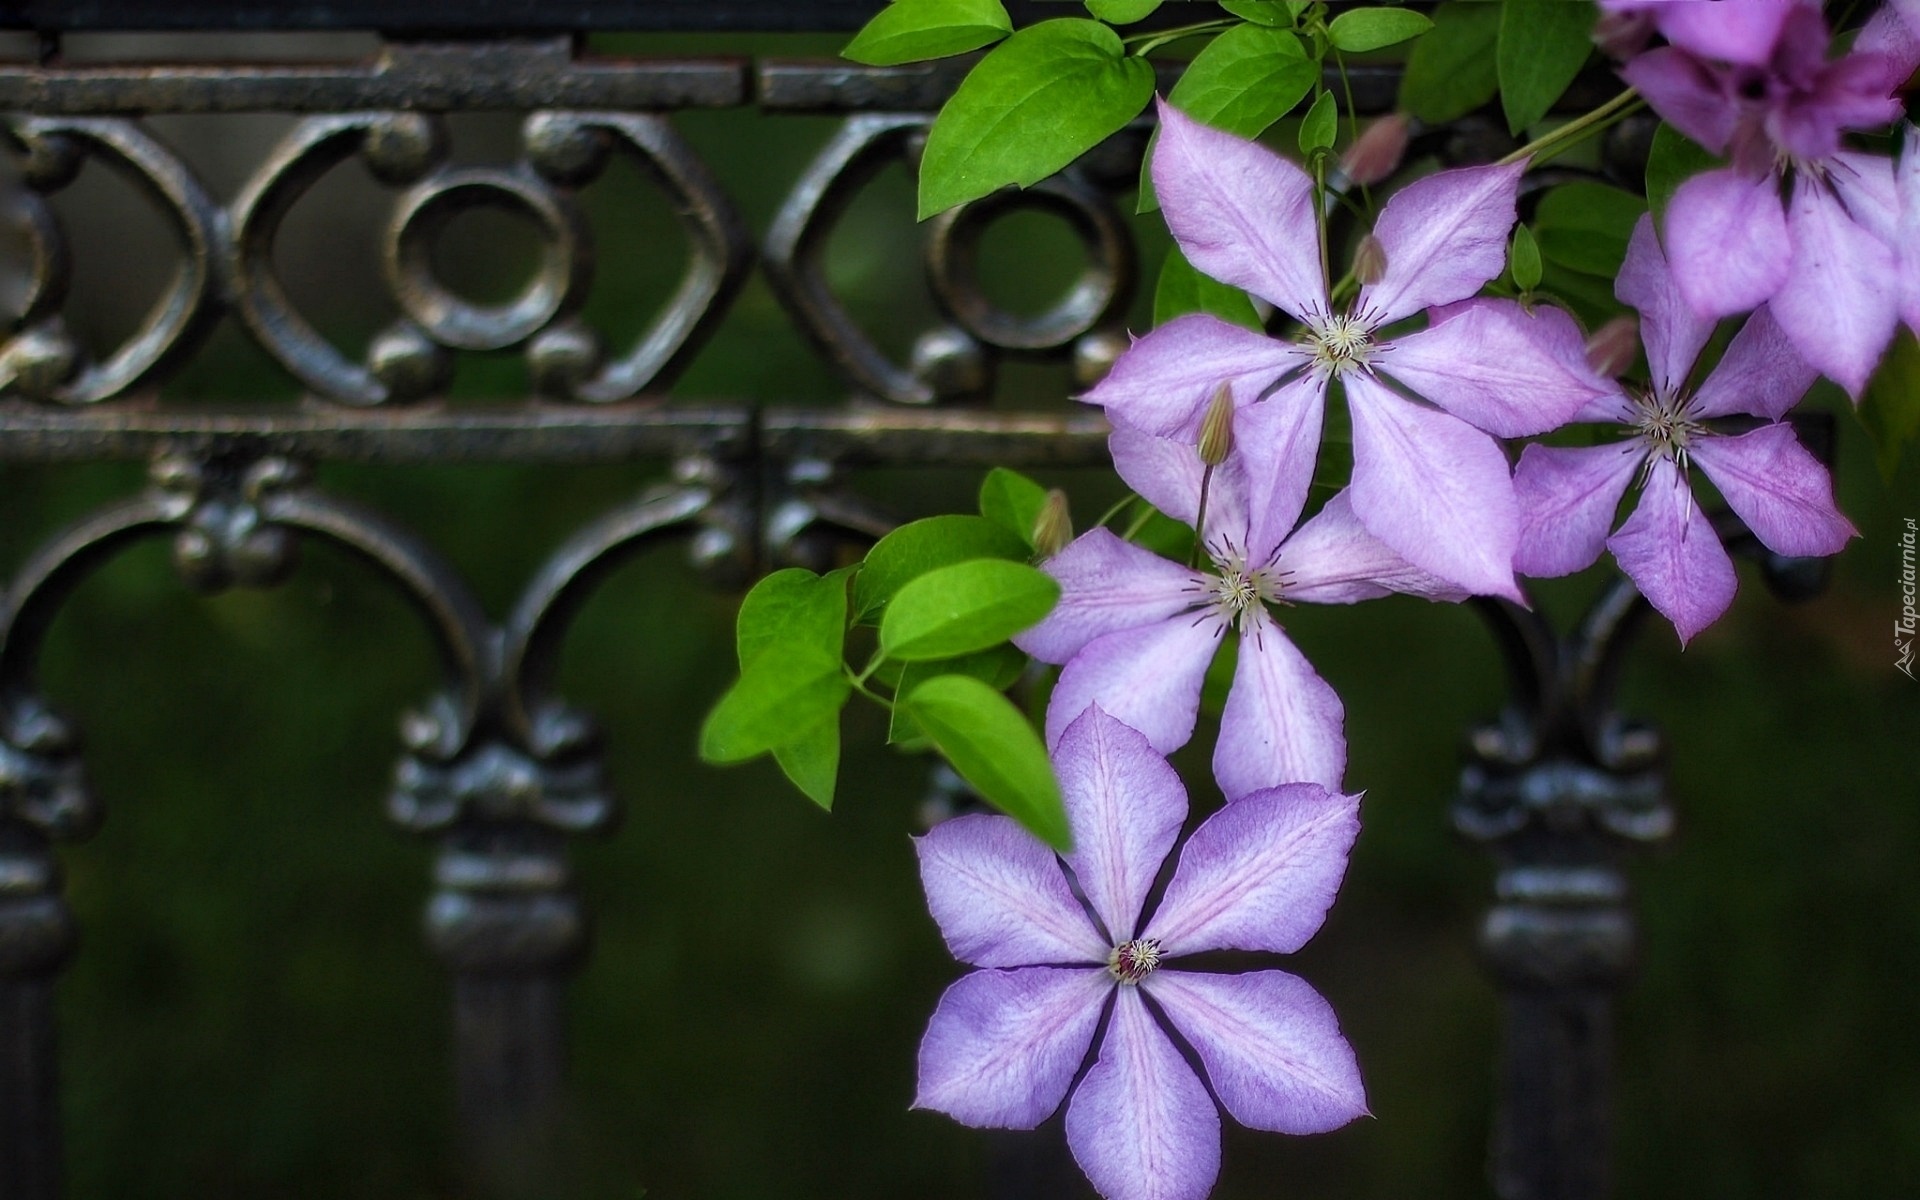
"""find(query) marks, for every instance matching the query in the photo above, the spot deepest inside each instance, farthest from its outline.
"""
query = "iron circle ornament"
(953, 265)
(424, 212)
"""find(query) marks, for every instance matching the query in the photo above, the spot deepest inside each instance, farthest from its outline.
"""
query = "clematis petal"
(1893, 35)
(1669, 328)
(1000, 897)
(1105, 584)
(1727, 242)
(1499, 368)
(1690, 94)
(1282, 722)
(1761, 373)
(1783, 493)
(1868, 190)
(1839, 303)
(1278, 440)
(1240, 212)
(1271, 1046)
(1147, 677)
(1125, 806)
(1259, 874)
(1908, 238)
(1332, 559)
(1165, 380)
(1746, 32)
(1567, 497)
(1669, 550)
(1850, 92)
(1003, 1046)
(1141, 1124)
(1167, 474)
(1434, 488)
(1444, 236)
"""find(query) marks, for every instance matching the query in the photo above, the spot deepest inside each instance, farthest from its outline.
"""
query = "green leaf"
(1034, 104)
(990, 743)
(812, 763)
(1451, 70)
(997, 667)
(913, 30)
(1320, 126)
(1586, 226)
(1524, 259)
(1543, 45)
(1012, 501)
(1245, 80)
(963, 608)
(1589, 296)
(1184, 288)
(780, 695)
(1276, 14)
(920, 546)
(1122, 12)
(1890, 407)
(793, 608)
(1673, 159)
(1361, 29)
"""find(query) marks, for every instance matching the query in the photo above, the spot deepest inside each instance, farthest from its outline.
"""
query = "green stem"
(859, 685)
(1149, 42)
(873, 664)
(1118, 505)
(1555, 141)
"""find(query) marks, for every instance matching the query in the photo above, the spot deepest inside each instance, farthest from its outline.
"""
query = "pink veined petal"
(1839, 304)
(1240, 212)
(1283, 723)
(1277, 442)
(1866, 186)
(1165, 380)
(1259, 874)
(1167, 474)
(1141, 1124)
(1567, 498)
(1332, 559)
(1909, 228)
(999, 896)
(1727, 242)
(1125, 806)
(1782, 492)
(1669, 328)
(1003, 1046)
(1743, 32)
(1148, 678)
(1444, 236)
(1893, 35)
(1106, 584)
(1761, 373)
(1689, 94)
(1434, 488)
(1499, 368)
(1271, 1046)
(1669, 550)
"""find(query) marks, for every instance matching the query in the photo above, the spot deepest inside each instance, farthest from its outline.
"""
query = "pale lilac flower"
(1751, 80)
(1137, 632)
(1908, 229)
(1667, 546)
(1063, 944)
(1426, 481)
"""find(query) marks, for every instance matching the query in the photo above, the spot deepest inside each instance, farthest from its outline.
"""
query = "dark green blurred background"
(253, 1015)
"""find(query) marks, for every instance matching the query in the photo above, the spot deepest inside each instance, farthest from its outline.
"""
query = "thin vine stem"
(1580, 128)
(1147, 43)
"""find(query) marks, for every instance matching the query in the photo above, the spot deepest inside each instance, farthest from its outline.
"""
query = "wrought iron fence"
(498, 768)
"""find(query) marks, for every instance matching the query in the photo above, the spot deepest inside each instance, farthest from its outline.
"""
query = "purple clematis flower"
(1908, 229)
(1426, 480)
(1007, 1042)
(1137, 632)
(1668, 547)
(1751, 80)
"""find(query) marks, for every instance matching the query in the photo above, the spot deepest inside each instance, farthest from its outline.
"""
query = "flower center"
(1342, 342)
(1664, 428)
(1133, 961)
(1237, 589)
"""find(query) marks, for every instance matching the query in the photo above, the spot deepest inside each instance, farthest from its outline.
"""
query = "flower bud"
(1369, 261)
(1612, 348)
(1216, 428)
(1377, 152)
(1053, 528)
(1621, 35)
